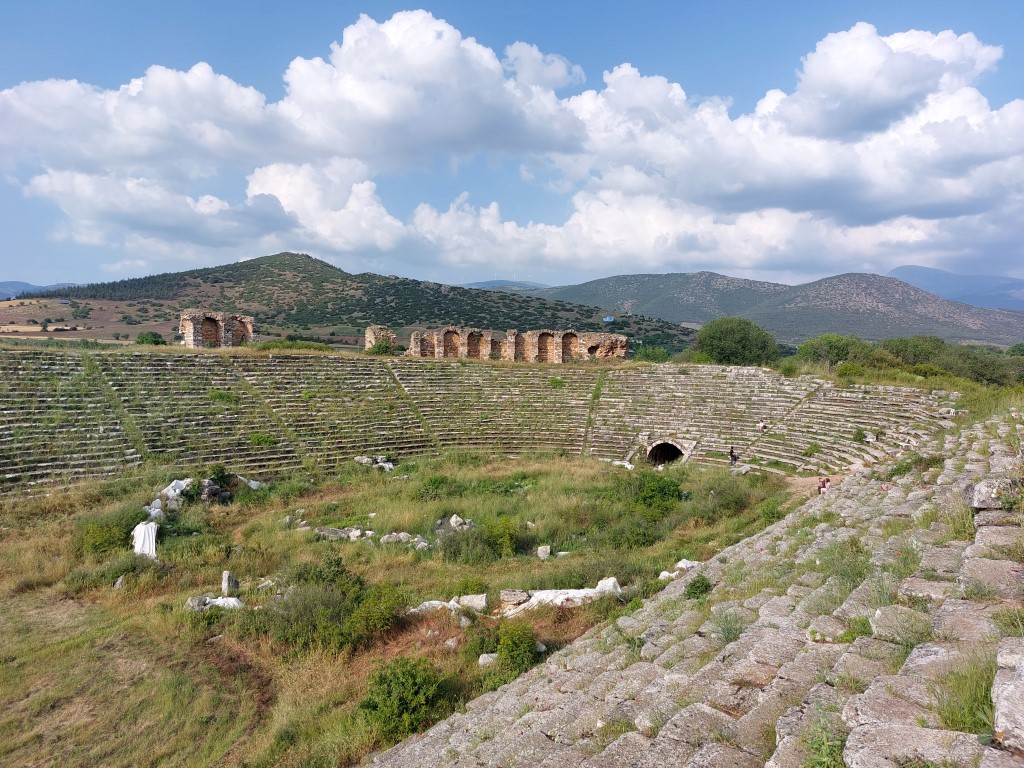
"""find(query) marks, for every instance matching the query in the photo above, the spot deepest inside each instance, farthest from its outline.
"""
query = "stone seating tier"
(792, 646)
(326, 409)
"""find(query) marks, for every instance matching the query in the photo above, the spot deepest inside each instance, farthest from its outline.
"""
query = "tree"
(1017, 350)
(150, 337)
(735, 341)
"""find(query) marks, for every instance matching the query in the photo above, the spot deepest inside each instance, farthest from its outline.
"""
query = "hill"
(978, 290)
(295, 293)
(870, 306)
(504, 285)
(11, 288)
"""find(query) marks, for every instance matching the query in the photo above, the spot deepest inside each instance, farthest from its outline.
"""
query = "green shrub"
(383, 347)
(81, 579)
(100, 534)
(263, 440)
(469, 547)
(517, 647)
(647, 489)
(220, 476)
(859, 435)
(378, 612)
(849, 370)
(649, 354)
(151, 337)
(221, 396)
(556, 383)
(402, 697)
(811, 450)
(698, 588)
(439, 487)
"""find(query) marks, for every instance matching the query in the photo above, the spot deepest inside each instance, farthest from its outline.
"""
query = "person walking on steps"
(733, 456)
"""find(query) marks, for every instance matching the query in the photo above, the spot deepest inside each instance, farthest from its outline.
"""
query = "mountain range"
(295, 293)
(979, 290)
(9, 289)
(865, 305)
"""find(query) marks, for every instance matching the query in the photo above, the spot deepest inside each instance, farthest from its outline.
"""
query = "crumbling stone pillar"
(378, 333)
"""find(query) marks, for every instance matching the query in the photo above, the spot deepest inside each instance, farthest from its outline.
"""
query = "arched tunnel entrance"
(664, 453)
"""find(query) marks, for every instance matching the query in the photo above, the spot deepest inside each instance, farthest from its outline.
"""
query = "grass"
(1010, 621)
(727, 626)
(963, 697)
(201, 690)
(824, 743)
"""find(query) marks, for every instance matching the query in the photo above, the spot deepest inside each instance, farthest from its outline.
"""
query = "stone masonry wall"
(543, 346)
(215, 329)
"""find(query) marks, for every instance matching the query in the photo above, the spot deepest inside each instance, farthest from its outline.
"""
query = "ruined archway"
(240, 335)
(473, 344)
(495, 349)
(664, 452)
(451, 343)
(592, 350)
(546, 348)
(570, 346)
(520, 347)
(427, 345)
(209, 332)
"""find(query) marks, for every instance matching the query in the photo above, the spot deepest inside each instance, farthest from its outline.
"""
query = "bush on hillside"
(402, 697)
(103, 533)
(151, 337)
(735, 341)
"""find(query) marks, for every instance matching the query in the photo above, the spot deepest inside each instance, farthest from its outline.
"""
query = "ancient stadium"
(841, 633)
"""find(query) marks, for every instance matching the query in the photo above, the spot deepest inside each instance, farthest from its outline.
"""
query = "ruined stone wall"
(202, 329)
(379, 333)
(539, 346)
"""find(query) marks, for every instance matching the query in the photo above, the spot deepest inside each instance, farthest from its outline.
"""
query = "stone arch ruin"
(664, 452)
(541, 346)
(215, 329)
(570, 346)
(451, 344)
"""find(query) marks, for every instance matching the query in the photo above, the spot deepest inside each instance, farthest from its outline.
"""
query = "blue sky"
(554, 141)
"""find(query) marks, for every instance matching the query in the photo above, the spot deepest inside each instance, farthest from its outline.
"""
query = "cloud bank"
(885, 152)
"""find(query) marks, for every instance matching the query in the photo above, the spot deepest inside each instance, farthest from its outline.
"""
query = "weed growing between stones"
(963, 696)
(1010, 622)
(858, 626)
(824, 743)
(727, 626)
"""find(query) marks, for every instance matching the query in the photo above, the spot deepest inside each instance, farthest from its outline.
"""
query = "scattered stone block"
(1005, 578)
(899, 624)
(487, 659)
(544, 552)
(881, 745)
(228, 584)
(476, 603)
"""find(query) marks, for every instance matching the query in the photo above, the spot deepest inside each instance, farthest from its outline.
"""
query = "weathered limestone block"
(1005, 578)
(989, 493)
(228, 584)
(897, 699)
(1008, 696)
(880, 745)
(899, 624)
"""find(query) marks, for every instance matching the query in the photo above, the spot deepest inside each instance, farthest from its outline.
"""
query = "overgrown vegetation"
(306, 667)
(964, 695)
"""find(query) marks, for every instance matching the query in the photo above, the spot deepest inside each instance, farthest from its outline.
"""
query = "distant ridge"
(297, 293)
(10, 289)
(978, 290)
(866, 305)
(502, 285)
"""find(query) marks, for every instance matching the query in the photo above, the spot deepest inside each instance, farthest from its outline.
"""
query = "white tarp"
(144, 539)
